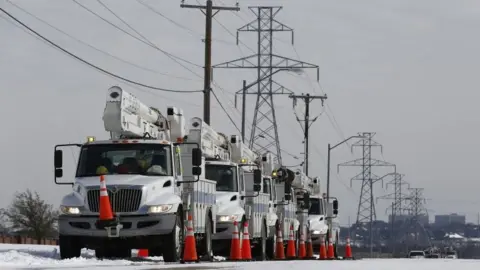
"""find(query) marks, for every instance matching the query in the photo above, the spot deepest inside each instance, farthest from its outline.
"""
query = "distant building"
(445, 220)
(422, 219)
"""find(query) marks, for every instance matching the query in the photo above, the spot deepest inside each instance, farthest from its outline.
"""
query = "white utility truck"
(230, 164)
(285, 202)
(268, 170)
(153, 179)
(317, 215)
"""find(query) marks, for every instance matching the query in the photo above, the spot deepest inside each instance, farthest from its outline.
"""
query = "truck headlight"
(163, 208)
(230, 218)
(70, 210)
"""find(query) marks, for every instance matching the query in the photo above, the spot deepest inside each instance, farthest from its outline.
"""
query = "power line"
(98, 49)
(88, 63)
(146, 41)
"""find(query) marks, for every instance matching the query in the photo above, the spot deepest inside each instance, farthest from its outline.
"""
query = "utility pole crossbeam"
(307, 122)
(366, 207)
(264, 134)
(208, 11)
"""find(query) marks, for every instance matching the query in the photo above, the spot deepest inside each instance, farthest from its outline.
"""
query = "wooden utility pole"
(307, 122)
(208, 11)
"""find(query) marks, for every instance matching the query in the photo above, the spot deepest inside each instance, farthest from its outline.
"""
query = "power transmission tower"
(417, 202)
(398, 199)
(416, 209)
(264, 134)
(307, 122)
(398, 196)
(366, 206)
(209, 8)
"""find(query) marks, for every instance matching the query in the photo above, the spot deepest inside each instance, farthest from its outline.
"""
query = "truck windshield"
(140, 158)
(224, 175)
(316, 206)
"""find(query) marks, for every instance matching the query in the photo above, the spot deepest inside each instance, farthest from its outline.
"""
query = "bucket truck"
(322, 215)
(285, 202)
(153, 178)
(230, 164)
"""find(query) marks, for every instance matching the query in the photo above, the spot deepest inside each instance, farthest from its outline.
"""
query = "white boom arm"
(126, 116)
(241, 153)
(268, 163)
(301, 180)
(316, 186)
(214, 144)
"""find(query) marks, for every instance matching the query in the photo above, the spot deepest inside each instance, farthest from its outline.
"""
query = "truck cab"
(317, 219)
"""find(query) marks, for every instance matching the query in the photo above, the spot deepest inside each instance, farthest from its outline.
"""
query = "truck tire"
(69, 247)
(172, 249)
(207, 253)
(262, 246)
(271, 242)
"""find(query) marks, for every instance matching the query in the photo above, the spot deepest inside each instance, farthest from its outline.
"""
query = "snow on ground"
(47, 257)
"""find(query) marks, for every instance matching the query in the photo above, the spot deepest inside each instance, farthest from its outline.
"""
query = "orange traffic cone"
(323, 249)
(235, 252)
(348, 250)
(291, 254)
(330, 252)
(302, 252)
(246, 248)
(142, 253)
(190, 249)
(309, 246)
(279, 249)
(105, 210)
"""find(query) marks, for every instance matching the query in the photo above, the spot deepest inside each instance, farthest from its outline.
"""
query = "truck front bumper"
(133, 226)
(224, 231)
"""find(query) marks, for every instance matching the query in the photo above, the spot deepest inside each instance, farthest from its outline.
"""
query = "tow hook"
(112, 226)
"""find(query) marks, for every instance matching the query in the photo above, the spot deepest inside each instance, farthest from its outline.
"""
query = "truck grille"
(123, 200)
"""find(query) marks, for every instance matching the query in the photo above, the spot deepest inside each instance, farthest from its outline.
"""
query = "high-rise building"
(444, 220)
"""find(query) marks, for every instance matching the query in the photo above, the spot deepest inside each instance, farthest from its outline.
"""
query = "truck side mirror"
(197, 171)
(257, 177)
(257, 187)
(288, 188)
(58, 159)
(335, 207)
(196, 157)
(58, 173)
(306, 200)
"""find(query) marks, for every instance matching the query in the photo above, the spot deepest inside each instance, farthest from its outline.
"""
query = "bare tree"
(29, 213)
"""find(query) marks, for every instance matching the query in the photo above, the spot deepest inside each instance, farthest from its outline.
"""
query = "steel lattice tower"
(398, 196)
(264, 133)
(366, 206)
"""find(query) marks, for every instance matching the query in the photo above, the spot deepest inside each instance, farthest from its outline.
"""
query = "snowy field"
(47, 257)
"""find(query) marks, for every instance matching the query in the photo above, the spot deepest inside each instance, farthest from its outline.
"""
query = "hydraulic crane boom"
(241, 154)
(125, 116)
(214, 145)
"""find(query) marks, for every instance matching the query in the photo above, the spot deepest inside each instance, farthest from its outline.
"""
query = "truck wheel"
(207, 242)
(272, 242)
(172, 250)
(263, 244)
(69, 247)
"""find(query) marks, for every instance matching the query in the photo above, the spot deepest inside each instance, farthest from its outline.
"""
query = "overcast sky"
(407, 70)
